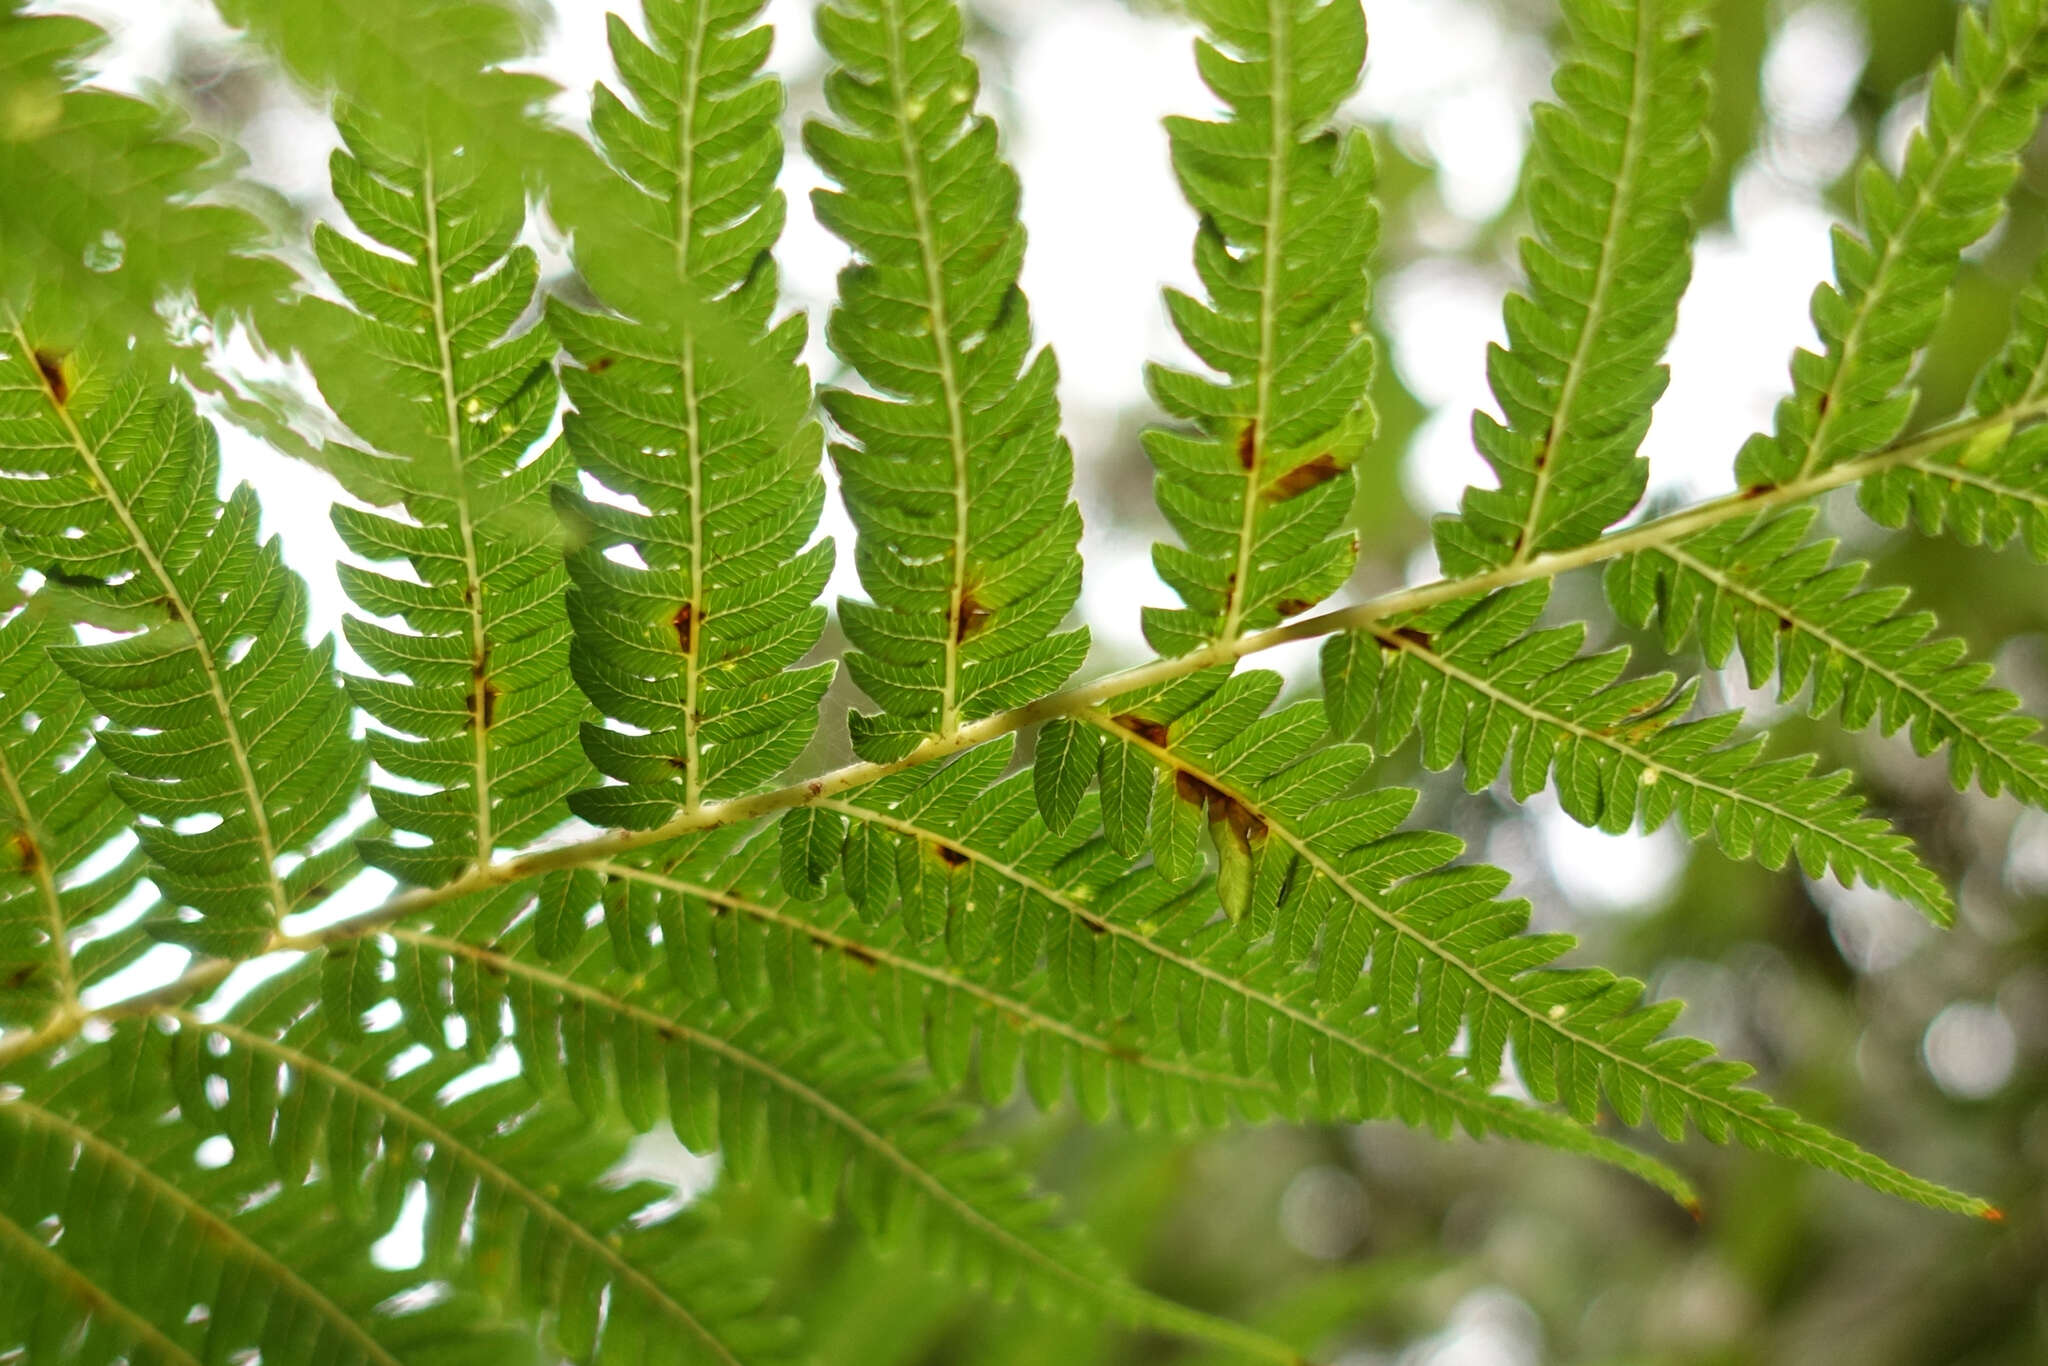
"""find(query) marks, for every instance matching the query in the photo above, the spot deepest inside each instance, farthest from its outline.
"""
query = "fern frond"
(1892, 280)
(517, 1208)
(830, 1118)
(57, 811)
(1260, 496)
(1324, 875)
(110, 206)
(729, 932)
(230, 736)
(701, 414)
(478, 711)
(1995, 488)
(1761, 586)
(954, 470)
(117, 1245)
(966, 863)
(1477, 680)
(1613, 171)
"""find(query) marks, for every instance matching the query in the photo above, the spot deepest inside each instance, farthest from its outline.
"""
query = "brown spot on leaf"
(27, 857)
(685, 624)
(971, 617)
(949, 856)
(1293, 606)
(1248, 445)
(1150, 731)
(1756, 491)
(668, 1032)
(860, 955)
(1094, 926)
(483, 703)
(1826, 401)
(1419, 639)
(815, 787)
(1302, 478)
(50, 364)
(21, 977)
(601, 364)
(1222, 808)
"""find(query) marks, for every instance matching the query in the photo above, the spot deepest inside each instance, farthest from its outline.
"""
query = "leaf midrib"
(1604, 276)
(56, 1268)
(216, 683)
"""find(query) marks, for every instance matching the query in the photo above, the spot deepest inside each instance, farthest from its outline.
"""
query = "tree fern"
(232, 741)
(700, 415)
(1613, 173)
(1197, 910)
(954, 472)
(475, 703)
(1288, 225)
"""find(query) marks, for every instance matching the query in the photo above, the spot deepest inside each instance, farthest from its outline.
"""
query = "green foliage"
(701, 416)
(1477, 679)
(478, 710)
(1259, 496)
(1612, 176)
(220, 714)
(1892, 279)
(954, 472)
(1193, 910)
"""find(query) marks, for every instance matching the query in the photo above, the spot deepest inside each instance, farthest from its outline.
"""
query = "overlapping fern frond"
(231, 737)
(1613, 172)
(1260, 494)
(697, 408)
(476, 710)
(1324, 874)
(954, 469)
(1892, 275)
(829, 1116)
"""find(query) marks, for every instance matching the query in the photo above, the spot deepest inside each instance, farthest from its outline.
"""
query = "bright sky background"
(1090, 82)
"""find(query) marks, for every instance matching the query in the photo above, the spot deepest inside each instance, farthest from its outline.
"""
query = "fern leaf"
(826, 1115)
(1614, 169)
(517, 1206)
(1478, 680)
(953, 471)
(231, 739)
(1892, 280)
(1987, 491)
(1260, 496)
(1387, 920)
(110, 206)
(1759, 585)
(113, 1238)
(980, 880)
(57, 812)
(477, 710)
(701, 415)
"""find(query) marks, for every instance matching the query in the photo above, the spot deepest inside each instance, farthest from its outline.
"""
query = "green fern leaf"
(1062, 917)
(1614, 170)
(231, 739)
(954, 471)
(57, 812)
(1761, 586)
(1988, 491)
(1387, 920)
(701, 415)
(826, 1115)
(477, 710)
(1260, 496)
(1478, 680)
(1891, 281)
(113, 1238)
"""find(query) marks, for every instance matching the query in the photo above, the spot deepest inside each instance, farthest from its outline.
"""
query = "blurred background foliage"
(1386, 1248)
